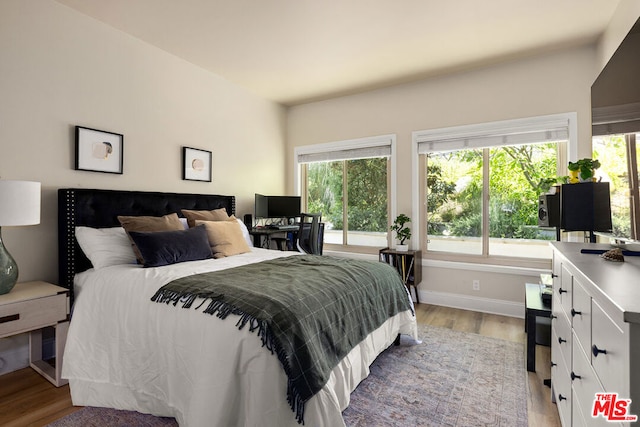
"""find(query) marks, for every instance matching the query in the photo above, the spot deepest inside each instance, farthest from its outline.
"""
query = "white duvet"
(124, 351)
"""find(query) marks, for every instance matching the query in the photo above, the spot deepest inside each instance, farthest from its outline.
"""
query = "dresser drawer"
(611, 367)
(561, 339)
(565, 290)
(578, 416)
(585, 385)
(561, 384)
(581, 315)
(32, 314)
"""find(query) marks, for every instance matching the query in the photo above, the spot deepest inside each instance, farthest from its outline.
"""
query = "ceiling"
(296, 51)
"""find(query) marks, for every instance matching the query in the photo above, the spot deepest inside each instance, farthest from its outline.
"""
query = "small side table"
(534, 307)
(29, 307)
(408, 264)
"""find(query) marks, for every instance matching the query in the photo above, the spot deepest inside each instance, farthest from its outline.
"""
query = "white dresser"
(595, 342)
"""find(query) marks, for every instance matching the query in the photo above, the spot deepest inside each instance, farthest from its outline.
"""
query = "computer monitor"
(283, 206)
(261, 206)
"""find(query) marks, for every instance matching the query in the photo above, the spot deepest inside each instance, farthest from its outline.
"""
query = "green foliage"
(324, 192)
(366, 193)
(402, 232)
(611, 150)
(585, 167)
(517, 176)
(454, 192)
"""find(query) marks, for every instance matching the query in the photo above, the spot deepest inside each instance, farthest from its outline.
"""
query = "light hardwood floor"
(27, 399)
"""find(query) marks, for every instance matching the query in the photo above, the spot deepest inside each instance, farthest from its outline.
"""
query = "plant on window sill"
(403, 232)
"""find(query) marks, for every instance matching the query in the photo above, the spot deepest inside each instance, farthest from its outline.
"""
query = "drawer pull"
(596, 351)
(553, 364)
(560, 340)
(554, 275)
(562, 291)
(561, 397)
(10, 318)
(574, 312)
(574, 376)
(553, 316)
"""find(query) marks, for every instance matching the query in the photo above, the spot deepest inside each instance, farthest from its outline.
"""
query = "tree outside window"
(360, 218)
(455, 191)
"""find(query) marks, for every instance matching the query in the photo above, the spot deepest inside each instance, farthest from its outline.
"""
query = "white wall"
(549, 84)
(59, 68)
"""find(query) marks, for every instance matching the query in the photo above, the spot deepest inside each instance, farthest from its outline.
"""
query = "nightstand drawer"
(32, 314)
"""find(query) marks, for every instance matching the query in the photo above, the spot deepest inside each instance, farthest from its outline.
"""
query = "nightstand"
(29, 307)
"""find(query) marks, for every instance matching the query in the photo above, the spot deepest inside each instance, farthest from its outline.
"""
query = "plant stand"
(408, 264)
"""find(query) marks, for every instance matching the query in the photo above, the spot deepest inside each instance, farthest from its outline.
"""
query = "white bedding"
(125, 352)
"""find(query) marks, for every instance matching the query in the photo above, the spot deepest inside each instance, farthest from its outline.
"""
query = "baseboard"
(465, 302)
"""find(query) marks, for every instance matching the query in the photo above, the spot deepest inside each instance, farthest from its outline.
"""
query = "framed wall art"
(196, 164)
(98, 150)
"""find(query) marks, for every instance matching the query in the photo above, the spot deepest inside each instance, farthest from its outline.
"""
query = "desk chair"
(310, 236)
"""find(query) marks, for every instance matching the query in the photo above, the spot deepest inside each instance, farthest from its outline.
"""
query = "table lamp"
(19, 205)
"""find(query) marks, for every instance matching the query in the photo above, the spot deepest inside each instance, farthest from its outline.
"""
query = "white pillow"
(245, 233)
(184, 222)
(105, 246)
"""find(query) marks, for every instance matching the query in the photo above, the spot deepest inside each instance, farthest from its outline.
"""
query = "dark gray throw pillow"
(160, 248)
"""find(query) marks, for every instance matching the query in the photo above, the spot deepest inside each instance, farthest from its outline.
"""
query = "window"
(618, 158)
(349, 183)
(615, 133)
(479, 188)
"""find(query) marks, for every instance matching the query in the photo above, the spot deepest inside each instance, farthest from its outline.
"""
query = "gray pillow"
(160, 248)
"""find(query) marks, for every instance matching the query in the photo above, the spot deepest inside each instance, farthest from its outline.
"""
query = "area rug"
(450, 379)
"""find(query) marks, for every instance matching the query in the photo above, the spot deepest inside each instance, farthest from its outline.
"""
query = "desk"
(262, 237)
(533, 308)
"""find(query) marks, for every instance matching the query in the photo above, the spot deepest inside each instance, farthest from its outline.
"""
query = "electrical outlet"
(476, 285)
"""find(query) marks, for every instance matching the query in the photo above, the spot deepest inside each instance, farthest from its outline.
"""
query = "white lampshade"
(19, 203)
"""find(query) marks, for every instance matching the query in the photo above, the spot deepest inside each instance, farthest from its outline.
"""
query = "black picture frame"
(196, 164)
(99, 150)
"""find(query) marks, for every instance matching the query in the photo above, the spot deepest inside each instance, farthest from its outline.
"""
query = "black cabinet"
(408, 264)
(586, 207)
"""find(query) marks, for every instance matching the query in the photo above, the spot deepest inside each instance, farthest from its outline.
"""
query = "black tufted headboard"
(100, 208)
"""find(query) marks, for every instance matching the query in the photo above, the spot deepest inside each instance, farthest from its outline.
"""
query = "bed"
(125, 351)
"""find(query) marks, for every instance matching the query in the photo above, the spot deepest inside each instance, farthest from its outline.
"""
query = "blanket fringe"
(222, 310)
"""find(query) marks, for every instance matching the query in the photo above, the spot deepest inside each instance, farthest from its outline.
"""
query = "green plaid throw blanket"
(310, 310)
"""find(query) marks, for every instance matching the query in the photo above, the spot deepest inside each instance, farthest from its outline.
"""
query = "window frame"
(334, 148)
(482, 130)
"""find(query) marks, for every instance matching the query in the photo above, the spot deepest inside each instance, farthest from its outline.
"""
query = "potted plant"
(546, 184)
(550, 185)
(402, 231)
(583, 170)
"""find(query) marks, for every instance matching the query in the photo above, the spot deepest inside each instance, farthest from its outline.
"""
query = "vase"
(573, 177)
(8, 269)
(402, 248)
